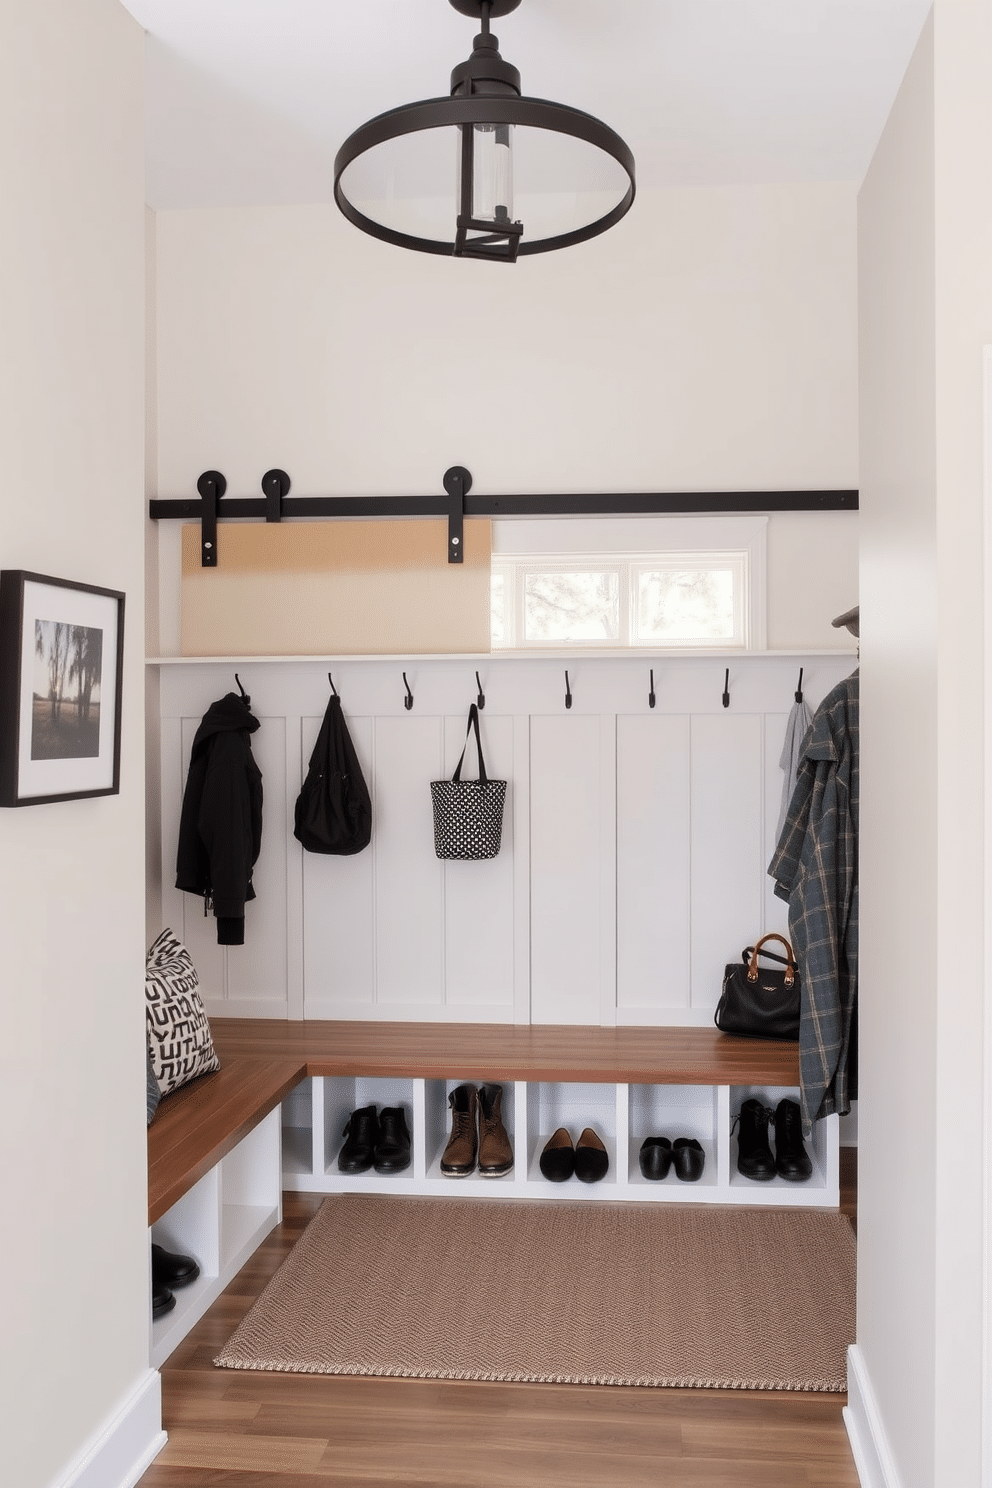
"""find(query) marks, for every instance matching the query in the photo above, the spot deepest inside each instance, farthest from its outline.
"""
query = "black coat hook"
(408, 700)
(726, 688)
(568, 693)
(651, 697)
(331, 681)
(799, 688)
(244, 695)
(481, 699)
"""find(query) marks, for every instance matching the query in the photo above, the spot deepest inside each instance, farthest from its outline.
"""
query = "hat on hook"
(852, 619)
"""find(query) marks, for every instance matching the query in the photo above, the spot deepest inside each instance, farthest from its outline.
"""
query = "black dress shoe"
(361, 1134)
(162, 1300)
(754, 1156)
(558, 1158)
(172, 1271)
(792, 1161)
(591, 1159)
(655, 1157)
(689, 1159)
(392, 1150)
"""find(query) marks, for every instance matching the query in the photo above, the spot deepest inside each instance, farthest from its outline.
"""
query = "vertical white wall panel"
(776, 911)
(409, 931)
(566, 865)
(478, 896)
(256, 971)
(339, 905)
(726, 888)
(653, 865)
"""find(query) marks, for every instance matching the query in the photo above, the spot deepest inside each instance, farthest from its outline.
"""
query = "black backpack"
(334, 808)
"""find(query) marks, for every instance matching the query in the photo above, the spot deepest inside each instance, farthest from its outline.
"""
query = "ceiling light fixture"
(401, 178)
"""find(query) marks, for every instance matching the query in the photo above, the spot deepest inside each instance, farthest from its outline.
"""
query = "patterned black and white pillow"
(152, 1093)
(178, 1030)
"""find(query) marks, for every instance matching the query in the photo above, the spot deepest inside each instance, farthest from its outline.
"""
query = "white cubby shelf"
(622, 1115)
(220, 1222)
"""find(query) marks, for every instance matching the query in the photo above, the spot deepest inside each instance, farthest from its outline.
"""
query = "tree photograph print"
(65, 707)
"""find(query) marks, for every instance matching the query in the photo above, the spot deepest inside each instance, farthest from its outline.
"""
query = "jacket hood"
(229, 713)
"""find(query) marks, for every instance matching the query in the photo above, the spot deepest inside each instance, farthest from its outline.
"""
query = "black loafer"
(591, 1159)
(689, 1159)
(558, 1158)
(392, 1150)
(362, 1133)
(172, 1271)
(792, 1161)
(162, 1300)
(655, 1157)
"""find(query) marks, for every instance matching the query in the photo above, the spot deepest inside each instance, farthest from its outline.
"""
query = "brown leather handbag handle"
(790, 970)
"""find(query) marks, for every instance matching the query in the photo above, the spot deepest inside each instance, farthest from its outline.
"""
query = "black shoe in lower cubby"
(659, 1156)
(655, 1158)
(754, 1155)
(361, 1135)
(392, 1150)
(792, 1161)
(688, 1159)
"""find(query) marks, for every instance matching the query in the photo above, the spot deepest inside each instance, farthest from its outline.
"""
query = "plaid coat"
(815, 868)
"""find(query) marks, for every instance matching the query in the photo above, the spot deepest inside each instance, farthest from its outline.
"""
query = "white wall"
(926, 309)
(75, 1262)
(707, 343)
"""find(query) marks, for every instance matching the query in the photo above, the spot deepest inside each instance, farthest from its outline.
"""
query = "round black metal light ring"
(497, 8)
(438, 113)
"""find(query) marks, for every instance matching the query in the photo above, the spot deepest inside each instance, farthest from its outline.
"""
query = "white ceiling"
(248, 100)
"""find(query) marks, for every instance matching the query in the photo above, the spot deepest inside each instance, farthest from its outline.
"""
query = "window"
(621, 600)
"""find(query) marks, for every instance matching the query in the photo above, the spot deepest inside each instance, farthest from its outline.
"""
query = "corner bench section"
(221, 1150)
(214, 1179)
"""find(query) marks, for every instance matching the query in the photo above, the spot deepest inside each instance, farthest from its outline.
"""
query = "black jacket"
(220, 829)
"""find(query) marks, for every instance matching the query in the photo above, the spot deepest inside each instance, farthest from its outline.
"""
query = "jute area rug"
(586, 1293)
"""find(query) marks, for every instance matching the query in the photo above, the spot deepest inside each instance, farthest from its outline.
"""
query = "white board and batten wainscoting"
(635, 844)
(633, 867)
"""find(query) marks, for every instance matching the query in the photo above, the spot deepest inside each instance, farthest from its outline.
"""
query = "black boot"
(754, 1156)
(171, 1270)
(791, 1158)
(392, 1150)
(162, 1299)
(362, 1132)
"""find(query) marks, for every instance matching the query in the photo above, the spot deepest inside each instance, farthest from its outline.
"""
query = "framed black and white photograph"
(61, 650)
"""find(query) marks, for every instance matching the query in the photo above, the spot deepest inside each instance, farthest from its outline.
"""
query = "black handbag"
(757, 1002)
(334, 808)
(468, 814)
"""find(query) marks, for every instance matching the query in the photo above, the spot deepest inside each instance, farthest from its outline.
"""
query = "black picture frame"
(61, 675)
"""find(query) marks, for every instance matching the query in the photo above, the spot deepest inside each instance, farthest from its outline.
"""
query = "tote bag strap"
(473, 722)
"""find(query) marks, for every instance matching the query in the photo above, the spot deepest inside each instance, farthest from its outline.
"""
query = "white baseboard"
(872, 1455)
(133, 1437)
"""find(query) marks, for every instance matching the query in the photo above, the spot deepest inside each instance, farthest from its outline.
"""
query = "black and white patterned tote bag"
(468, 814)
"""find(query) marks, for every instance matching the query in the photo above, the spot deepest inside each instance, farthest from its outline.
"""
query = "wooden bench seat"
(263, 1059)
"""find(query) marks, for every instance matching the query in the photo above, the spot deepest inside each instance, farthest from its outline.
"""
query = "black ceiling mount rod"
(456, 504)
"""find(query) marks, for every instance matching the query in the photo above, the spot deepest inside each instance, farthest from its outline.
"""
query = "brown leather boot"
(495, 1152)
(463, 1144)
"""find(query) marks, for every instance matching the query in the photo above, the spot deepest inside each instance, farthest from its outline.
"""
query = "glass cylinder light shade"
(492, 172)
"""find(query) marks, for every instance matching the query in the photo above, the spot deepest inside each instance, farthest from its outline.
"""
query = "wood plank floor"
(244, 1430)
